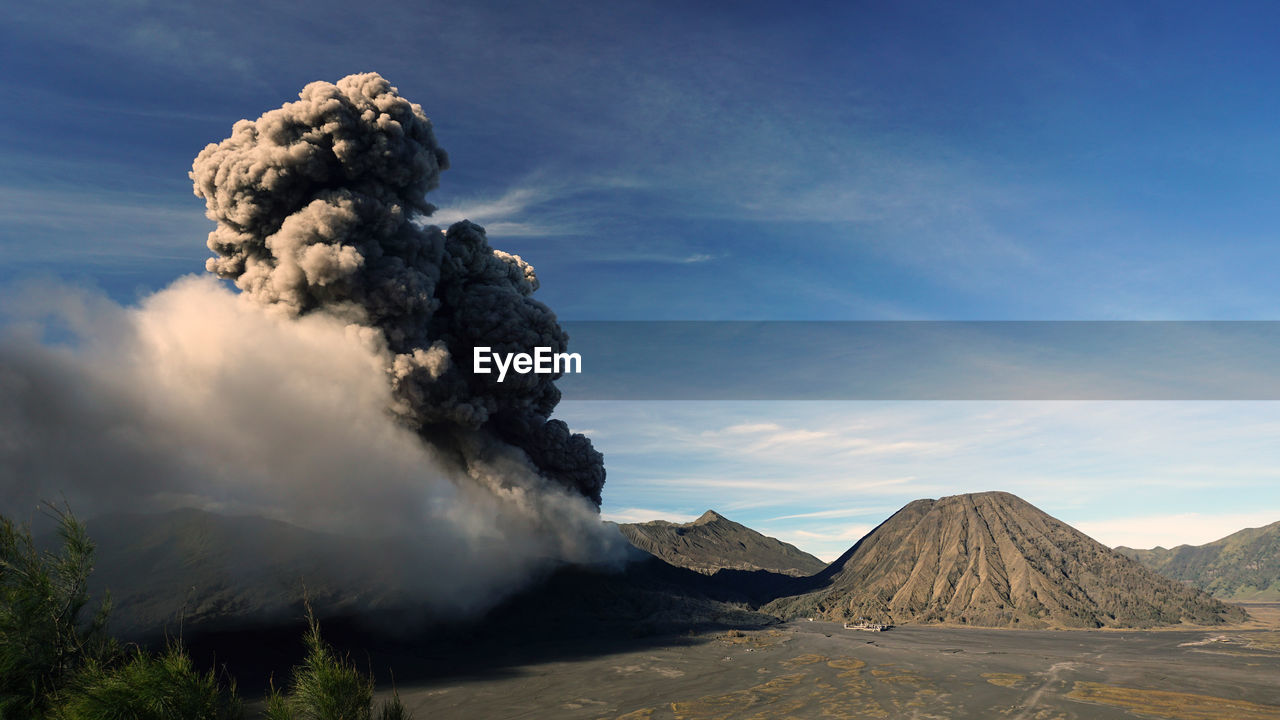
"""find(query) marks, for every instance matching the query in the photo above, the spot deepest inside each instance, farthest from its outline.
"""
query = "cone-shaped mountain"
(714, 542)
(992, 559)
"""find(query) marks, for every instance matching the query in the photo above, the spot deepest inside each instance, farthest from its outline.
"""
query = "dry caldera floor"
(821, 670)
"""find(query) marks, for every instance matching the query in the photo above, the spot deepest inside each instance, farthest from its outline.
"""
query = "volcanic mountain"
(194, 571)
(992, 559)
(714, 542)
(1243, 566)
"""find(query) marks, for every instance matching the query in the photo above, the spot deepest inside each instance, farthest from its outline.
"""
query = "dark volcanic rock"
(648, 596)
(992, 559)
(1243, 566)
(714, 542)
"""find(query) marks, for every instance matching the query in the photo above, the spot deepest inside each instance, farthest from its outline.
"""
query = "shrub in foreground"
(148, 687)
(57, 665)
(327, 686)
(44, 639)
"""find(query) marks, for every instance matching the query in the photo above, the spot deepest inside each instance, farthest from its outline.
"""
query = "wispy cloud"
(749, 428)
(698, 258)
(508, 215)
(826, 544)
(774, 439)
(576, 204)
(837, 513)
(673, 256)
(171, 35)
(639, 515)
(546, 204)
(38, 225)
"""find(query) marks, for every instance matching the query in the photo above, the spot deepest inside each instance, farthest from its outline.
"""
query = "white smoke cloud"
(199, 398)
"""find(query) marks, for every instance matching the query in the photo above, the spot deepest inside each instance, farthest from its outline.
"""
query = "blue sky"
(788, 161)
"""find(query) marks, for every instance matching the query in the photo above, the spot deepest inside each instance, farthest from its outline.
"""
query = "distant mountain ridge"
(714, 542)
(988, 559)
(1243, 566)
(992, 559)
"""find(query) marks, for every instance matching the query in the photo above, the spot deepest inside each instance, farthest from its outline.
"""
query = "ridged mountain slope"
(714, 542)
(1243, 566)
(195, 569)
(992, 559)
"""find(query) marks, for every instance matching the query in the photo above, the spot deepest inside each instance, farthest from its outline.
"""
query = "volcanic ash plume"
(320, 208)
(333, 392)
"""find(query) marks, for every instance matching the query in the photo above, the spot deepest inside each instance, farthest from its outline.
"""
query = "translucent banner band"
(1111, 360)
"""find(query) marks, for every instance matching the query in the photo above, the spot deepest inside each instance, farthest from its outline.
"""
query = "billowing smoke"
(318, 206)
(334, 390)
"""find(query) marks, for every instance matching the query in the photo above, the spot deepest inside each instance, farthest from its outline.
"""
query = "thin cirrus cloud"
(190, 40)
(773, 439)
(641, 515)
(837, 513)
(825, 543)
(96, 225)
(510, 214)
(540, 207)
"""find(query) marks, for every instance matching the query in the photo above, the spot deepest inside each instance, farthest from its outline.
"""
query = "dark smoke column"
(318, 206)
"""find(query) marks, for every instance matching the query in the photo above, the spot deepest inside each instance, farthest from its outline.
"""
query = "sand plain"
(821, 670)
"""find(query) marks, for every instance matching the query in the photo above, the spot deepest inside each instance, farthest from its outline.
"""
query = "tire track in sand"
(1033, 700)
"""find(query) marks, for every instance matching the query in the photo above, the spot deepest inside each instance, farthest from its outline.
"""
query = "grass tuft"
(393, 709)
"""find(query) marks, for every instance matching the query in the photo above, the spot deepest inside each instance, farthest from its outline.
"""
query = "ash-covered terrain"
(821, 670)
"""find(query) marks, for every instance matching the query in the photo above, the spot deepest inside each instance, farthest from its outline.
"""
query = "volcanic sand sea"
(819, 669)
